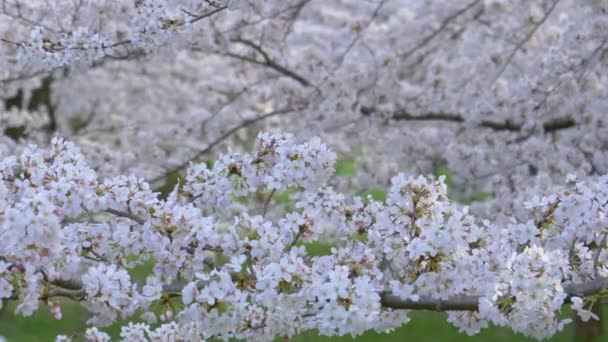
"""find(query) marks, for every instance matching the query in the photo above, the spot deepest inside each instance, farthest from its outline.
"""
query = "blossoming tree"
(509, 95)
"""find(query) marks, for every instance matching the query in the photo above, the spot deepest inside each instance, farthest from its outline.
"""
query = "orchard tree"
(104, 102)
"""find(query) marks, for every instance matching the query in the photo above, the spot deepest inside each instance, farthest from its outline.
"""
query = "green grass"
(432, 326)
(41, 326)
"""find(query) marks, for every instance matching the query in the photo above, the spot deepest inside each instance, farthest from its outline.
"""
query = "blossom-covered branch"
(507, 98)
(69, 234)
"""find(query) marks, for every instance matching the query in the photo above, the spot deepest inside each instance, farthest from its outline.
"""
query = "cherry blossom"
(510, 96)
(246, 275)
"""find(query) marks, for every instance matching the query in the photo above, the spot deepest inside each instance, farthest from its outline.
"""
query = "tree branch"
(548, 126)
(223, 137)
(596, 257)
(471, 303)
(464, 303)
(267, 202)
(127, 215)
(587, 288)
(528, 36)
(206, 15)
(267, 61)
(74, 289)
(441, 27)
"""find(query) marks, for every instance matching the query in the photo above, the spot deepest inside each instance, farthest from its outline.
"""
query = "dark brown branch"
(596, 257)
(268, 62)
(206, 15)
(441, 27)
(548, 126)
(77, 295)
(528, 36)
(126, 215)
(267, 202)
(41, 96)
(559, 124)
(74, 289)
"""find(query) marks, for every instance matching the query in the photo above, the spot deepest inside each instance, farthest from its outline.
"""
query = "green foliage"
(283, 198)
(318, 248)
(427, 326)
(445, 171)
(140, 272)
(240, 199)
(345, 167)
(478, 197)
(378, 194)
(170, 183)
(76, 123)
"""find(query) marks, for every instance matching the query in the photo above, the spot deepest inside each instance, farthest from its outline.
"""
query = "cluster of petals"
(225, 268)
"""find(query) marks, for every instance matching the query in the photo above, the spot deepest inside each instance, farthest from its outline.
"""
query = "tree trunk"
(591, 330)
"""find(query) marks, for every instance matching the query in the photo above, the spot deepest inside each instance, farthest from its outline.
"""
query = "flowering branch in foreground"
(224, 269)
(76, 291)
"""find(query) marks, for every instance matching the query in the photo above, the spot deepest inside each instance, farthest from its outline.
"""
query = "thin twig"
(267, 202)
(295, 240)
(441, 27)
(596, 257)
(217, 141)
(524, 41)
(126, 215)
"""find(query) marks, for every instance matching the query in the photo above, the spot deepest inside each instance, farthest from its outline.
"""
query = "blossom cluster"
(227, 268)
(119, 28)
(510, 95)
(278, 164)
